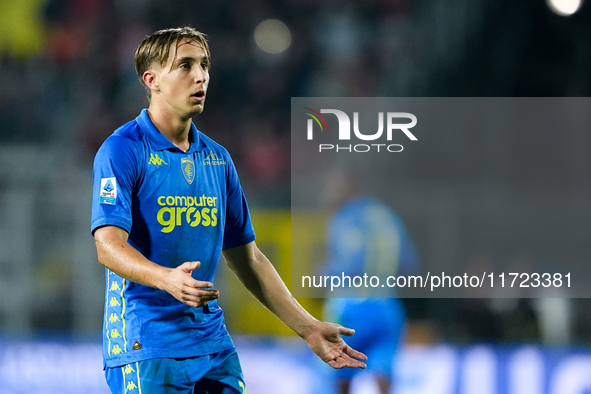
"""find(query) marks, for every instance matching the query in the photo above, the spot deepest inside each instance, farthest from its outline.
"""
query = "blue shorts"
(218, 373)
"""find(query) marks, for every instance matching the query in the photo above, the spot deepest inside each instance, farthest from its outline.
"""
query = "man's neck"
(175, 129)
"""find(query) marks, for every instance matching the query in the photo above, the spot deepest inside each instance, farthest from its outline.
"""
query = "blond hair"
(155, 49)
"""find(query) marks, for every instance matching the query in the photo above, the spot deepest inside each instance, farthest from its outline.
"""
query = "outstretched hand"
(187, 289)
(326, 342)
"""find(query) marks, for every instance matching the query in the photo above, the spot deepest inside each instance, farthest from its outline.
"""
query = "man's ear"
(150, 78)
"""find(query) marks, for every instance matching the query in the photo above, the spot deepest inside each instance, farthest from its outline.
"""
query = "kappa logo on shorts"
(108, 194)
(188, 170)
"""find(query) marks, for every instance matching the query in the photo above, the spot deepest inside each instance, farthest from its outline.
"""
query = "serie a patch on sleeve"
(108, 191)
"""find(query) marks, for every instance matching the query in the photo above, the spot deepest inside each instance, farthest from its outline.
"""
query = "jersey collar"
(160, 142)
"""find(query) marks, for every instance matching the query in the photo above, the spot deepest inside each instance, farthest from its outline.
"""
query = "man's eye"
(205, 66)
(185, 66)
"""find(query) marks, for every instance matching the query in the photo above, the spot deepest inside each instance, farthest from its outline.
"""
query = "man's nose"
(200, 74)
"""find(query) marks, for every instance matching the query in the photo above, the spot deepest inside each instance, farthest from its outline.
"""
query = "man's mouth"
(199, 95)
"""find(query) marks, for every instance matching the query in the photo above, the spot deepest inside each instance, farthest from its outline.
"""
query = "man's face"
(182, 82)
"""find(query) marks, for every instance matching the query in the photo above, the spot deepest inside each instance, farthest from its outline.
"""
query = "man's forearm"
(117, 255)
(260, 277)
(123, 259)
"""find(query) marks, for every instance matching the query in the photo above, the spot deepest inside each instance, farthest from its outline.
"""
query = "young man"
(166, 203)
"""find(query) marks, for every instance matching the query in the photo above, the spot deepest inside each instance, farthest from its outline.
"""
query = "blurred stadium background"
(67, 81)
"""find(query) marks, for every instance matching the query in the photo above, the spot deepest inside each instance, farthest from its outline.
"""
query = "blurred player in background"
(166, 203)
(365, 236)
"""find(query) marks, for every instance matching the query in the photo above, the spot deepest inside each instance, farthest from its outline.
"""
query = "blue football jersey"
(365, 236)
(177, 207)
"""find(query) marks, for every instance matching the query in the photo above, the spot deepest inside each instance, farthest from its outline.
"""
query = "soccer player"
(365, 236)
(166, 203)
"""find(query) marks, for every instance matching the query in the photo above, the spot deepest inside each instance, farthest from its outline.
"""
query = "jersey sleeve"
(114, 175)
(238, 228)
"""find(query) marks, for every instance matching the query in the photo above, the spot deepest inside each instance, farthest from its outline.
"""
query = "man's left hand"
(325, 340)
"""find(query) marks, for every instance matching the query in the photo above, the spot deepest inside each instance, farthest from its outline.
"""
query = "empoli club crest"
(188, 170)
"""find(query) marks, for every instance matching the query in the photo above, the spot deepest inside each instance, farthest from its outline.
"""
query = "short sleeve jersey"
(177, 207)
(365, 236)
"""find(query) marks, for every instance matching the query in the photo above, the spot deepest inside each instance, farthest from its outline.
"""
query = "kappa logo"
(156, 160)
(188, 170)
(213, 160)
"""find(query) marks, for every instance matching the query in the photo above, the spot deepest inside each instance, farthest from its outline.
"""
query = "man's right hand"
(115, 253)
(185, 288)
